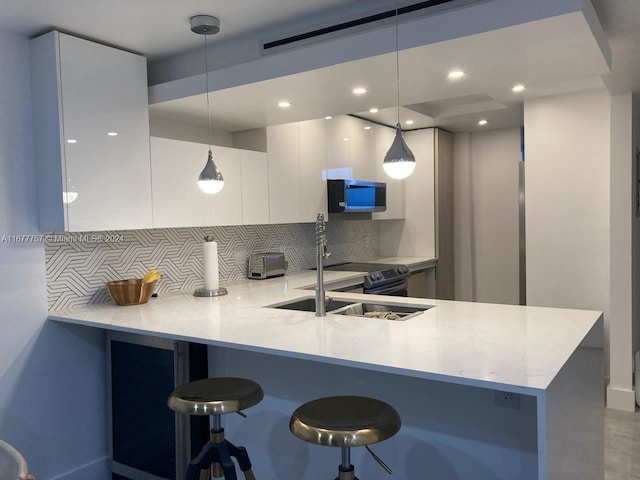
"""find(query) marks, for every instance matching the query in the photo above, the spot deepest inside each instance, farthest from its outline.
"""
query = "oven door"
(398, 289)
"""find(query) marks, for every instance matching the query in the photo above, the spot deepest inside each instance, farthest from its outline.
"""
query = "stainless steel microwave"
(356, 196)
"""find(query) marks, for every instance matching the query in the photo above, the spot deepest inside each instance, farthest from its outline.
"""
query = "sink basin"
(309, 305)
(377, 310)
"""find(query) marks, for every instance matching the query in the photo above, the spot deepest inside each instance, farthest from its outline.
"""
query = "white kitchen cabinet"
(313, 165)
(255, 187)
(177, 199)
(284, 173)
(226, 205)
(383, 137)
(91, 130)
(338, 138)
(362, 150)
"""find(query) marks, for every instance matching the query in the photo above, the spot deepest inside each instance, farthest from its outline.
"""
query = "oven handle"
(388, 289)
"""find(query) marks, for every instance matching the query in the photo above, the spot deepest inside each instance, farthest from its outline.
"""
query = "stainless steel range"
(381, 278)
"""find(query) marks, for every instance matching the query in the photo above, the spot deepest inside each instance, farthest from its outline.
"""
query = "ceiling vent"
(351, 26)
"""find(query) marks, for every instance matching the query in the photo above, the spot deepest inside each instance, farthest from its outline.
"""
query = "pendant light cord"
(397, 62)
(206, 76)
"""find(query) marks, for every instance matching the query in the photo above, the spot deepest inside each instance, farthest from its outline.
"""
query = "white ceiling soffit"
(549, 56)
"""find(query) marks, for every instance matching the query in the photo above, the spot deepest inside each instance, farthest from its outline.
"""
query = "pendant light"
(210, 179)
(399, 162)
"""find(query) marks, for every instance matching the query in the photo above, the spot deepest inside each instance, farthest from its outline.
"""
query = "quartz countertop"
(512, 348)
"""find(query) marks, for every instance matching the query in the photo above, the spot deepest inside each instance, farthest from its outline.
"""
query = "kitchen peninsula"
(484, 391)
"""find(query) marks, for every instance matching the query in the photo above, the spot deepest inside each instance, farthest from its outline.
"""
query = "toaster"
(266, 265)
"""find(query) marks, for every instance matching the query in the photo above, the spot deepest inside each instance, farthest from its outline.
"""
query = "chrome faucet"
(321, 254)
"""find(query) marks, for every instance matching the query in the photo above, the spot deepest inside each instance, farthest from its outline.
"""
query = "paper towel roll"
(210, 263)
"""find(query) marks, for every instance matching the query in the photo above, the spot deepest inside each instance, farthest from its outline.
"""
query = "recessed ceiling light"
(518, 88)
(328, 117)
(359, 90)
(112, 134)
(409, 122)
(455, 74)
(368, 127)
(373, 110)
(482, 122)
(346, 139)
(284, 104)
(72, 140)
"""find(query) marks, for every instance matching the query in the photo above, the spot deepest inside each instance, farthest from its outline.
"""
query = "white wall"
(567, 147)
(619, 392)
(486, 240)
(635, 132)
(52, 377)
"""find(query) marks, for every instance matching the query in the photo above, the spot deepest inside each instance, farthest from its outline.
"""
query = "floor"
(622, 445)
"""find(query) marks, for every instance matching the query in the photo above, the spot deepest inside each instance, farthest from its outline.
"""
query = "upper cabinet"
(179, 202)
(350, 149)
(91, 126)
(284, 173)
(297, 164)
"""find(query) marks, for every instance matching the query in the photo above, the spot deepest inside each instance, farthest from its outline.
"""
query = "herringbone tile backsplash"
(78, 265)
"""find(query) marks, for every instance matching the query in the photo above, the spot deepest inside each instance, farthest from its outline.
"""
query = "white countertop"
(512, 348)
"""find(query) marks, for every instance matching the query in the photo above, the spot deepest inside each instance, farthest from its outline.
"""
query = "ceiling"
(549, 56)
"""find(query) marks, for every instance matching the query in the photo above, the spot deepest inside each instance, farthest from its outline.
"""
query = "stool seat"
(345, 421)
(215, 396)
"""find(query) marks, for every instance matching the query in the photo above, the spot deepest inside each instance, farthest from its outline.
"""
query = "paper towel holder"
(202, 292)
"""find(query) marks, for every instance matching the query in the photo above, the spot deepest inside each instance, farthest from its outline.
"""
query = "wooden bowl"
(130, 292)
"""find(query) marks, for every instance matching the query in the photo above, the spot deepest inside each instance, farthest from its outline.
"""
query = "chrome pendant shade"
(399, 162)
(210, 179)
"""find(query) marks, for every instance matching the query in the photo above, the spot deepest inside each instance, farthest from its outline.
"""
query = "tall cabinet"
(297, 163)
(91, 135)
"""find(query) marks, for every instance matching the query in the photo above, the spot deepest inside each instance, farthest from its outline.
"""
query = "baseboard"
(621, 399)
(97, 470)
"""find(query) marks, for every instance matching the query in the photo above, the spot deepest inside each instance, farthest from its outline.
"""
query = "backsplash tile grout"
(79, 264)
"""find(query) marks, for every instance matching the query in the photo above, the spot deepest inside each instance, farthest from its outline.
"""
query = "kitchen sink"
(382, 311)
(309, 305)
(357, 309)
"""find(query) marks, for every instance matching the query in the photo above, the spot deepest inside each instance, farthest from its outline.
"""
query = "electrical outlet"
(507, 399)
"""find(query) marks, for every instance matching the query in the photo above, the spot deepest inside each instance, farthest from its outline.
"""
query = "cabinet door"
(284, 173)
(313, 165)
(339, 148)
(105, 136)
(226, 205)
(177, 199)
(255, 187)
(383, 137)
(362, 150)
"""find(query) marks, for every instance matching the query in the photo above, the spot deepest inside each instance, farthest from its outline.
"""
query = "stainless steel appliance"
(356, 196)
(266, 265)
(381, 278)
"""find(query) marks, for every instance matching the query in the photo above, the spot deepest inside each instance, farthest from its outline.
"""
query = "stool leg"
(207, 455)
(240, 453)
(216, 436)
(226, 463)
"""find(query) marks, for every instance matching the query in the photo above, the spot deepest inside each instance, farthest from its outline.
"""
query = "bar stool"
(216, 397)
(345, 422)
